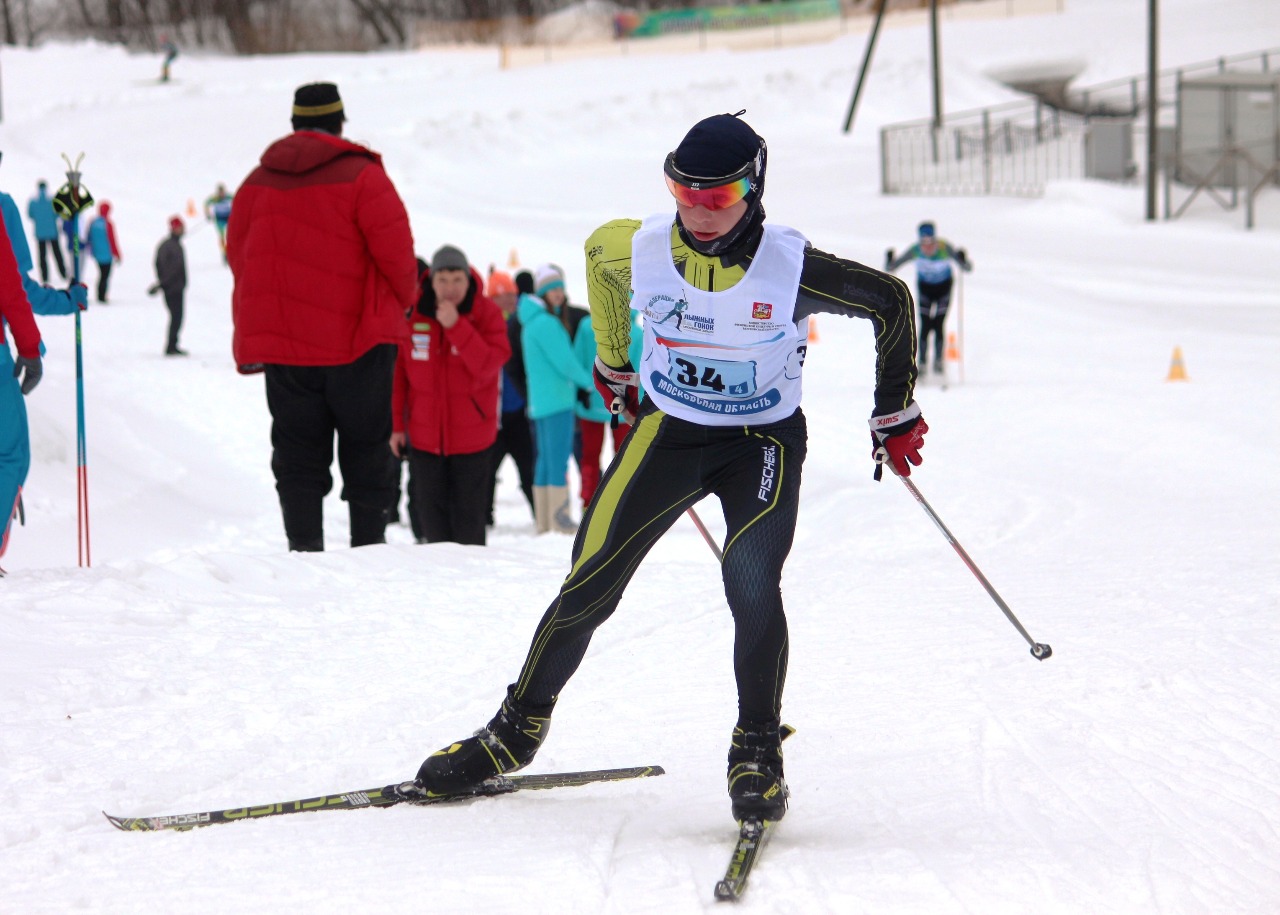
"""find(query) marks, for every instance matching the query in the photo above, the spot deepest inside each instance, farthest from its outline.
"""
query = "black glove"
(584, 399)
(963, 260)
(888, 260)
(896, 439)
(30, 370)
(153, 289)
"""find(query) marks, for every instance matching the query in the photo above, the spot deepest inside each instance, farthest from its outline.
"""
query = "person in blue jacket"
(101, 242)
(15, 443)
(554, 377)
(933, 257)
(45, 223)
(45, 300)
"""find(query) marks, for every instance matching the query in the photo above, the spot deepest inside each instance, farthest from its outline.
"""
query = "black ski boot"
(505, 744)
(756, 786)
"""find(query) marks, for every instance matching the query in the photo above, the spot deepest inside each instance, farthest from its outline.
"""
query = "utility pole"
(937, 70)
(1153, 106)
(866, 64)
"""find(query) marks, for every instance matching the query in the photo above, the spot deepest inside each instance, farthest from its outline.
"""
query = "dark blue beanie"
(719, 146)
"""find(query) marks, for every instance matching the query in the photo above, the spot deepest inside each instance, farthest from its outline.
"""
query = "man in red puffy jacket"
(322, 255)
(446, 399)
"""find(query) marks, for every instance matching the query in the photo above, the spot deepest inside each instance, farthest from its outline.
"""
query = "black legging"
(665, 466)
(104, 274)
(933, 301)
(46, 245)
(173, 301)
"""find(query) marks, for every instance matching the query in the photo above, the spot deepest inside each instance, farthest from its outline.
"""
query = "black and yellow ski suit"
(668, 464)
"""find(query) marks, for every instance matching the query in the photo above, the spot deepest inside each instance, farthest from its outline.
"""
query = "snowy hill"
(938, 768)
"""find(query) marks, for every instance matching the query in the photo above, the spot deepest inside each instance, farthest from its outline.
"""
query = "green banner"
(723, 18)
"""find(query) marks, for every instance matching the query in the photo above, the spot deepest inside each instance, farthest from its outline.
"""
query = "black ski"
(380, 797)
(752, 836)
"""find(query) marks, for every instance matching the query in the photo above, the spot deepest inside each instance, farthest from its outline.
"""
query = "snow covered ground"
(938, 768)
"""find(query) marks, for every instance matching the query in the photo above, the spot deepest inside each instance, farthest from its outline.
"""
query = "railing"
(1016, 148)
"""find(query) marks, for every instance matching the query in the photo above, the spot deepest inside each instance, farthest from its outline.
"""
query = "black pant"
(665, 466)
(516, 439)
(309, 405)
(46, 245)
(173, 302)
(104, 274)
(933, 301)
(449, 493)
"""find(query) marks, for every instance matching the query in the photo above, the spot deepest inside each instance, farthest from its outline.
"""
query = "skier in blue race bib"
(933, 257)
(726, 300)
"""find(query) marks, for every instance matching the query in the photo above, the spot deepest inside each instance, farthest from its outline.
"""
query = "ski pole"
(706, 535)
(615, 409)
(1039, 650)
(82, 450)
(960, 322)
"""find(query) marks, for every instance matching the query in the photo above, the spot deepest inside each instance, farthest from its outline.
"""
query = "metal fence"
(1015, 149)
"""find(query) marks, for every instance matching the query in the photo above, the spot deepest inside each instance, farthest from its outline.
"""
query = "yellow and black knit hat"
(317, 105)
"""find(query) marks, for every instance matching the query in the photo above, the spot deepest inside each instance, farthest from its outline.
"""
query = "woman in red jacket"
(445, 400)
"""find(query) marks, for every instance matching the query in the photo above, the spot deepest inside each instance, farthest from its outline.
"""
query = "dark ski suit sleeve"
(832, 285)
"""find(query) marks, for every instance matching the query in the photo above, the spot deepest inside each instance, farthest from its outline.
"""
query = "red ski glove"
(620, 389)
(897, 438)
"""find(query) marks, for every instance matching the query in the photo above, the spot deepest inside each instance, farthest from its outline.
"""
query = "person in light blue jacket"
(554, 377)
(44, 300)
(101, 241)
(15, 443)
(45, 223)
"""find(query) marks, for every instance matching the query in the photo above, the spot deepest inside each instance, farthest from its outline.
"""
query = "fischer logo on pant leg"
(768, 473)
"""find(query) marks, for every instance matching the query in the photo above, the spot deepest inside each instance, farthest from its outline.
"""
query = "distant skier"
(170, 52)
(217, 209)
(933, 258)
(101, 242)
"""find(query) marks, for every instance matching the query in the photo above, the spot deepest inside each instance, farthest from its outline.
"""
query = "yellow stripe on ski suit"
(600, 521)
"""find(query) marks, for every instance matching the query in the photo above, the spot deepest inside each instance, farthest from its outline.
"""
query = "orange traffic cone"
(813, 329)
(953, 349)
(1177, 372)
(512, 260)
(191, 208)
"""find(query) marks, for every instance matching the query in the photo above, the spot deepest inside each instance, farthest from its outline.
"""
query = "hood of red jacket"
(304, 150)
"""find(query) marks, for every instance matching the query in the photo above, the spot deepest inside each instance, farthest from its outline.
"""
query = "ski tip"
(122, 823)
(725, 892)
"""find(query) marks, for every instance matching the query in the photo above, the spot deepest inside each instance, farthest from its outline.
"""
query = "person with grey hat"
(445, 399)
(320, 249)
(726, 299)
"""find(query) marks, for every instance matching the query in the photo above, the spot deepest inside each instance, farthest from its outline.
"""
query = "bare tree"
(10, 37)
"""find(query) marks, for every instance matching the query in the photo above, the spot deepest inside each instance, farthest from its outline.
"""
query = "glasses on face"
(712, 193)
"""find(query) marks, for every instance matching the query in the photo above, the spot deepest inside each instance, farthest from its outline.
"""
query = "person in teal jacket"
(45, 223)
(554, 377)
(45, 300)
(593, 415)
(15, 440)
(101, 241)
